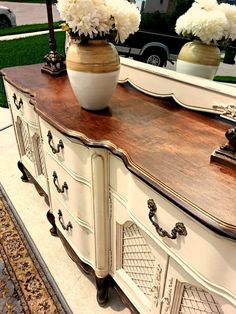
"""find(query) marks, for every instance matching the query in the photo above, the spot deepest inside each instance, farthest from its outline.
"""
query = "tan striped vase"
(198, 59)
(93, 70)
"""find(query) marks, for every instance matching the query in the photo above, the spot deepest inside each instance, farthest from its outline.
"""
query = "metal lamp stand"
(54, 61)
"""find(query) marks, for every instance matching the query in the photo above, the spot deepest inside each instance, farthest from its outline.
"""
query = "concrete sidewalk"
(23, 35)
(31, 13)
(224, 69)
(5, 119)
(27, 14)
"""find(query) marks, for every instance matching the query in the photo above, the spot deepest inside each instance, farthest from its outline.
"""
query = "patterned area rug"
(26, 286)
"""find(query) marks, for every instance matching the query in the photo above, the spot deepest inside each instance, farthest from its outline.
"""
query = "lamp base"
(225, 158)
(226, 153)
(54, 64)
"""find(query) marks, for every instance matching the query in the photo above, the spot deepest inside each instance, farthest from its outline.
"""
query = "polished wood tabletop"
(167, 146)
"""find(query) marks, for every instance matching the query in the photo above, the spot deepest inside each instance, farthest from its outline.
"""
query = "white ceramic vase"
(198, 59)
(93, 70)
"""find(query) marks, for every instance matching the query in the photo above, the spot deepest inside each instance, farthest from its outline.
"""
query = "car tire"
(157, 57)
(4, 21)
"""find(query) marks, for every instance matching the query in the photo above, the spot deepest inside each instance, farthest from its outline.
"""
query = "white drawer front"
(73, 192)
(78, 236)
(20, 104)
(73, 156)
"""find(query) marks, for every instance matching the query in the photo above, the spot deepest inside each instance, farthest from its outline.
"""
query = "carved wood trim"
(159, 82)
(100, 213)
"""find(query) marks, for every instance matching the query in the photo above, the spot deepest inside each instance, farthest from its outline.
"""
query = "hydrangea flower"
(100, 17)
(208, 22)
(230, 13)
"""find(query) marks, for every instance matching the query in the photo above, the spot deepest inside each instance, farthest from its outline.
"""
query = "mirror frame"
(192, 92)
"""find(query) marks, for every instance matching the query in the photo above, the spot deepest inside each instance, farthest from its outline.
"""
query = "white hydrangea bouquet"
(93, 18)
(209, 22)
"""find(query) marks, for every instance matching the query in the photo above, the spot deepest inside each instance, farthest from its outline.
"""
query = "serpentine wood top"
(166, 145)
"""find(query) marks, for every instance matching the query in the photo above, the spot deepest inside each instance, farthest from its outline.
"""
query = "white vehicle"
(7, 17)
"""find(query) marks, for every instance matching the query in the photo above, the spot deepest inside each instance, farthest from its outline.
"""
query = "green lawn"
(225, 79)
(27, 28)
(25, 51)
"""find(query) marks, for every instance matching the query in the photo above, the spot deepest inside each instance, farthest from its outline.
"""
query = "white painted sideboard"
(117, 218)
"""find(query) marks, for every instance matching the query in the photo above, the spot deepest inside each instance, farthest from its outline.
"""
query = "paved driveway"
(30, 13)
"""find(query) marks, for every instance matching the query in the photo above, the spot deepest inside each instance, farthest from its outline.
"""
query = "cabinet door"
(31, 151)
(27, 133)
(25, 143)
(138, 264)
(183, 294)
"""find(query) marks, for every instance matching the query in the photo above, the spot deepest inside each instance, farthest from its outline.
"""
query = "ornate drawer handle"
(19, 104)
(178, 229)
(59, 146)
(65, 227)
(64, 186)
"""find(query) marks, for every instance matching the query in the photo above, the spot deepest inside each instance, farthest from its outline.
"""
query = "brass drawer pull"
(65, 227)
(59, 146)
(178, 229)
(18, 104)
(64, 186)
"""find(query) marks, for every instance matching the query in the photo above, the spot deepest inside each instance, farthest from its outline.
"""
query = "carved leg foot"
(102, 290)
(21, 167)
(51, 219)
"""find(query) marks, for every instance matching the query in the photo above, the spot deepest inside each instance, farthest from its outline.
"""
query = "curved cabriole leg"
(21, 167)
(51, 219)
(102, 285)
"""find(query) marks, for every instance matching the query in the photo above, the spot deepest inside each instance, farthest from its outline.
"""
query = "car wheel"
(4, 21)
(155, 57)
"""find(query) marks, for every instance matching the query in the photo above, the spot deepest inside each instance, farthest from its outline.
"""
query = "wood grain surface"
(166, 145)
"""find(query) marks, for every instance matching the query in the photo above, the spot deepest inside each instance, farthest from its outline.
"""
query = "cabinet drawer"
(72, 155)
(20, 104)
(74, 193)
(78, 236)
(166, 215)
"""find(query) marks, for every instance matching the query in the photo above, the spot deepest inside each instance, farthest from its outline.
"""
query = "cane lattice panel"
(137, 259)
(24, 139)
(194, 300)
(41, 167)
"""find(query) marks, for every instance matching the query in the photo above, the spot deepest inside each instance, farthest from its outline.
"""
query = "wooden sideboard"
(132, 191)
